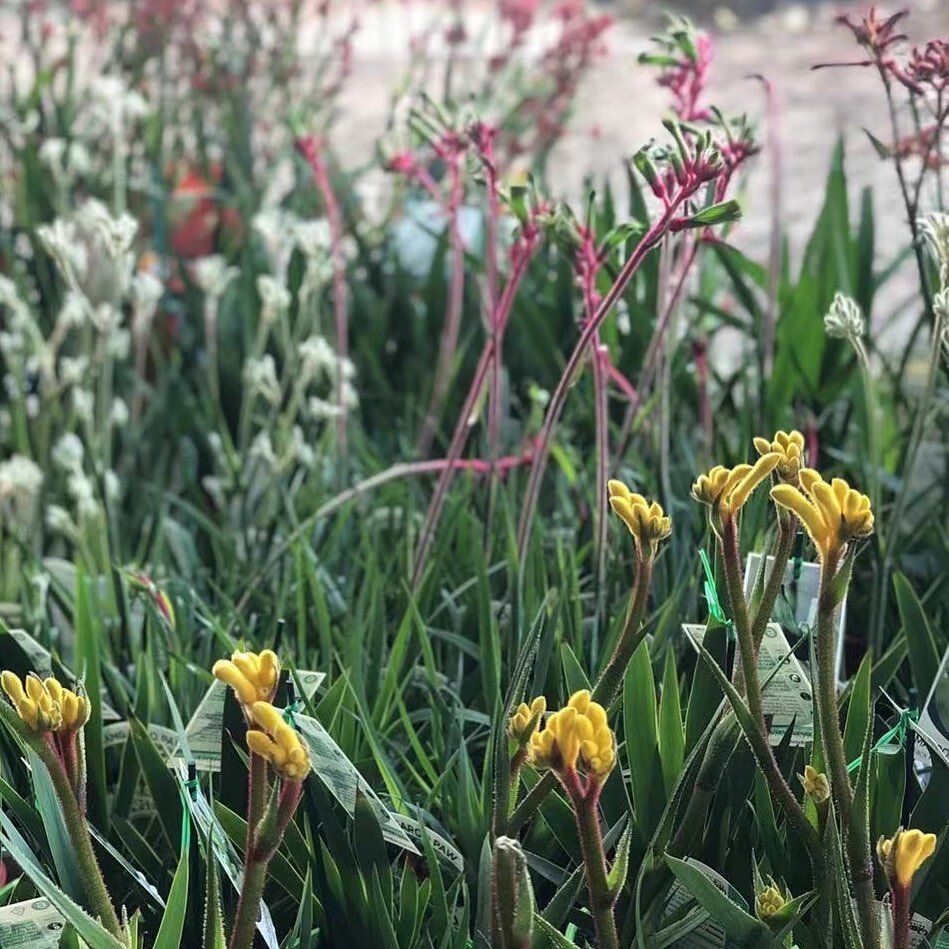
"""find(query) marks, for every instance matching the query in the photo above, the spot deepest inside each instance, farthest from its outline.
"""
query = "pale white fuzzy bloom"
(316, 357)
(274, 296)
(33, 405)
(74, 312)
(844, 319)
(119, 343)
(20, 483)
(261, 449)
(66, 160)
(935, 230)
(312, 237)
(114, 104)
(276, 227)
(82, 491)
(623, 324)
(300, 449)
(212, 274)
(346, 367)
(116, 233)
(147, 291)
(73, 369)
(83, 403)
(62, 243)
(120, 413)
(59, 520)
(260, 376)
(19, 314)
(68, 452)
(941, 310)
(20, 478)
(321, 409)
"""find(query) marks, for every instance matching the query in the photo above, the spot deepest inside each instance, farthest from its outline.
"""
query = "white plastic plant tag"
(204, 729)
(343, 780)
(785, 688)
(707, 933)
(801, 591)
(933, 723)
(36, 924)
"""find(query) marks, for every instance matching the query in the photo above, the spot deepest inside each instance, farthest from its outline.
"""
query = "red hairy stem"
(463, 425)
(559, 397)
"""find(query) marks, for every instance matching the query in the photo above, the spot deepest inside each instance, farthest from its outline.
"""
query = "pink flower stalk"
(687, 81)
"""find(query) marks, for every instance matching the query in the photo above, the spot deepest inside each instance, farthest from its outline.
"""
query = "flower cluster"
(903, 854)
(725, 490)
(833, 514)
(44, 705)
(253, 676)
(647, 522)
(579, 732)
(274, 740)
(790, 447)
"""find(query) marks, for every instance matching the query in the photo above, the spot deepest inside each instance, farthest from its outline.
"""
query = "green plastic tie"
(711, 596)
(908, 716)
(290, 712)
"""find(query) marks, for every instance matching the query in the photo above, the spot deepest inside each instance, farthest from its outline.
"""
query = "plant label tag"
(36, 924)
(933, 725)
(785, 688)
(343, 780)
(204, 730)
(698, 929)
(798, 598)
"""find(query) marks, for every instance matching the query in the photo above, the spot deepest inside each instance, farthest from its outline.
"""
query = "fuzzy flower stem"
(456, 296)
(100, 903)
(758, 740)
(784, 546)
(594, 863)
(633, 634)
(248, 907)
(559, 397)
(463, 426)
(901, 916)
(857, 838)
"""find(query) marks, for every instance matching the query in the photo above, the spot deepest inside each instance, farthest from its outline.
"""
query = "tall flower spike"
(790, 446)
(45, 705)
(272, 738)
(647, 522)
(253, 676)
(833, 514)
(726, 490)
(904, 853)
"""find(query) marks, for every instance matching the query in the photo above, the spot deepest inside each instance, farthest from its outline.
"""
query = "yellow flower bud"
(790, 446)
(45, 705)
(253, 676)
(726, 490)
(272, 738)
(524, 715)
(647, 522)
(816, 785)
(833, 514)
(769, 901)
(579, 732)
(904, 853)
